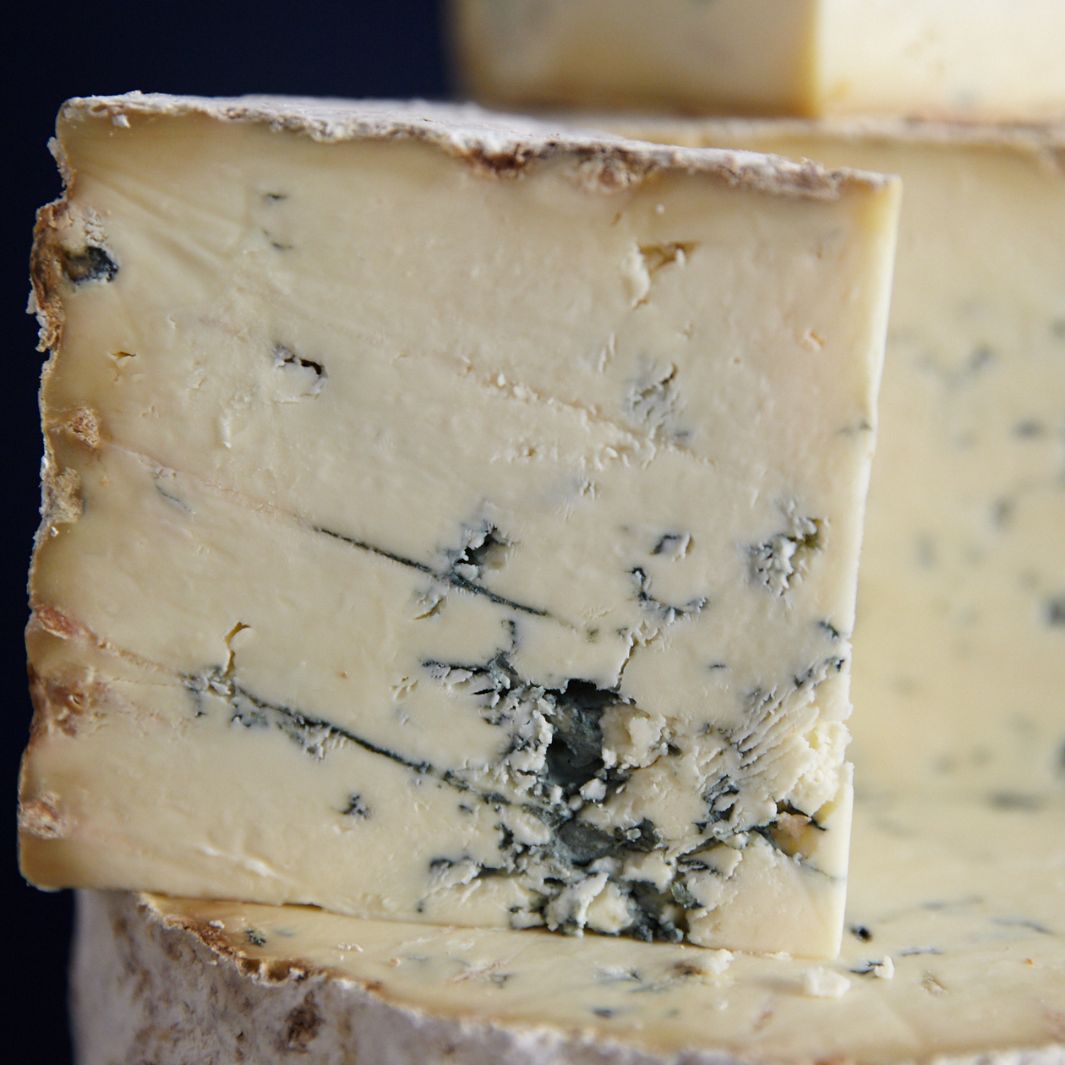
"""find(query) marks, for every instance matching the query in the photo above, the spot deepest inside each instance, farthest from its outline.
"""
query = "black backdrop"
(355, 48)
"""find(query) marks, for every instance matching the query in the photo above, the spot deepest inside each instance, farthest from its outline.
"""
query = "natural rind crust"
(501, 143)
(150, 987)
(154, 988)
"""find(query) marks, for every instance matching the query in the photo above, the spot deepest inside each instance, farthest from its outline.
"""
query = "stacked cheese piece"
(953, 59)
(450, 522)
(454, 521)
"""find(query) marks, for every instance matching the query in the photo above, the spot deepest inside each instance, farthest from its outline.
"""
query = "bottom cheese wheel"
(955, 952)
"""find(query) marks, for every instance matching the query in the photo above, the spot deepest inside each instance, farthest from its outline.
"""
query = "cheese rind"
(998, 59)
(961, 624)
(449, 522)
(971, 936)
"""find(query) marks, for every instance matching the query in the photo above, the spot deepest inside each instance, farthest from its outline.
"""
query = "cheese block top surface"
(431, 539)
(955, 951)
(791, 132)
(502, 142)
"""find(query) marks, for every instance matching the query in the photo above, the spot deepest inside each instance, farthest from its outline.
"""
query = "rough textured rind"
(145, 987)
(500, 143)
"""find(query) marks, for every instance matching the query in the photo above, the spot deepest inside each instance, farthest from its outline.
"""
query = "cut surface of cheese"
(960, 640)
(955, 952)
(996, 59)
(450, 521)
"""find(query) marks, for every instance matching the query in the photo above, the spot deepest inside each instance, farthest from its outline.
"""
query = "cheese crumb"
(824, 983)
(717, 962)
(593, 791)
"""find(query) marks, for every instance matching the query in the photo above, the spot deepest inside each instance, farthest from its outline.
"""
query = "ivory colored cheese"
(948, 58)
(954, 953)
(960, 641)
(450, 520)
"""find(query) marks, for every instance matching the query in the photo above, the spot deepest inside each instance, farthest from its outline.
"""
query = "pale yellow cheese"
(451, 520)
(948, 58)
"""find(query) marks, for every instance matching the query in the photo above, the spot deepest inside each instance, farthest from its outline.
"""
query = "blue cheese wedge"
(450, 520)
(996, 59)
(961, 632)
(971, 933)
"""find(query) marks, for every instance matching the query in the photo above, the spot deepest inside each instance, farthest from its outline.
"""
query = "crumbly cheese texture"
(960, 640)
(953, 953)
(450, 523)
(994, 59)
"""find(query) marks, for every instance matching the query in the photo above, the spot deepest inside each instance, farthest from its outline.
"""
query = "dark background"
(354, 48)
